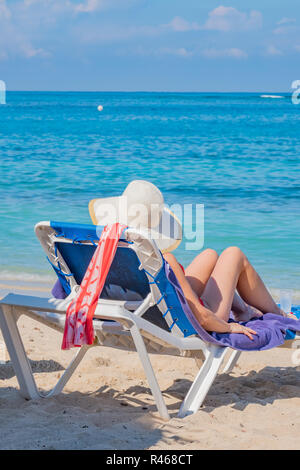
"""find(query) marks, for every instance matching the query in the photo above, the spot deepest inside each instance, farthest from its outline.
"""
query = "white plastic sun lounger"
(149, 320)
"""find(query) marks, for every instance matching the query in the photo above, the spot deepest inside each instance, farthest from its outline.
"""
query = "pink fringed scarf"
(79, 318)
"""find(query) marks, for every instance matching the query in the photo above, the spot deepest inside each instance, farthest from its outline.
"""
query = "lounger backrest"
(72, 246)
(124, 271)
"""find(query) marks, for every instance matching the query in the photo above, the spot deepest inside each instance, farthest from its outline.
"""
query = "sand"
(107, 404)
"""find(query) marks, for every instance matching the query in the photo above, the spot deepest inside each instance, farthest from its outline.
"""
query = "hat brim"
(168, 235)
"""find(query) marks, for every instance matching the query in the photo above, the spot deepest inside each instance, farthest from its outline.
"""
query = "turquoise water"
(238, 154)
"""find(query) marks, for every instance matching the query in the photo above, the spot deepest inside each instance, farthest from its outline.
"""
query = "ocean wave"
(275, 292)
(32, 278)
(42, 280)
(271, 96)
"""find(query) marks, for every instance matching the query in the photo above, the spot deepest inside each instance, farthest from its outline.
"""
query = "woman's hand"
(237, 328)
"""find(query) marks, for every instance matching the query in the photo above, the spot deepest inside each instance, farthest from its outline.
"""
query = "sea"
(238, 154)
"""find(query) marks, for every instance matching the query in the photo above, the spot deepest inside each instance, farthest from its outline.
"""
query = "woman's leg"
(200, 269)
(199, 272)
(234, 271)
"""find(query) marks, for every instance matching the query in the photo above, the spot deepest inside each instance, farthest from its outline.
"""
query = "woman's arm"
(207, 319)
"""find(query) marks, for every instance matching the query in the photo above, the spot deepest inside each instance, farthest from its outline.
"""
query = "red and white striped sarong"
(79, 318)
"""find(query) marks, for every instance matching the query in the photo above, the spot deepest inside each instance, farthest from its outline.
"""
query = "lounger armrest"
(131, 305)
(115, 310)
(57, 305)
(33, 303)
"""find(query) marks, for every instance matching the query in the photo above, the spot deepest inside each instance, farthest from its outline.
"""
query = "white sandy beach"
(107, 403)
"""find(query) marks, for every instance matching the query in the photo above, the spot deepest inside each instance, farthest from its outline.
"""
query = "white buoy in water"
(100, 107)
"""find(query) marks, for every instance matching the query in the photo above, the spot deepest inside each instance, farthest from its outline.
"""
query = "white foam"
(46, 280)
(275, 292)
(271, 96)
(33, 278)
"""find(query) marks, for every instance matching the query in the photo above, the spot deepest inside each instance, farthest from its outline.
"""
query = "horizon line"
(141, 91)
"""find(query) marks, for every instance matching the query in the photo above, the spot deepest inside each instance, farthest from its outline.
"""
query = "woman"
(210, 283)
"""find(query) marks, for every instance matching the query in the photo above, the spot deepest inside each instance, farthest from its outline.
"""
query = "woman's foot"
(284, 314)
(247, 314)
(253, 312)
(281, 312)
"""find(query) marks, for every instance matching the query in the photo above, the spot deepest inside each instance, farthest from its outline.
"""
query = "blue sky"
(149, 45)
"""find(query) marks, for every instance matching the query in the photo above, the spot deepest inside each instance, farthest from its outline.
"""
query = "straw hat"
(141, 206)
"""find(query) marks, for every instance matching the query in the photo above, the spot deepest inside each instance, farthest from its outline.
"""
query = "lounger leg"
(19, 359)
(15, 347)
(234, 357)
(68, 373)
(202, 382)
(144, 357)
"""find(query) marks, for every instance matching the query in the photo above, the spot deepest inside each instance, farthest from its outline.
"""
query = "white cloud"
(179, 24)
(91, 6)
(15, 40)
(232, 52)
(88, 6)
(30, 51)
(69, 6)
(285, 29)
(285, 25)
(24, 24)
(272, 50)
(230, 19)
(14, 43)
(4, 10)
(181, 51)
(49, 6)
(28, 28)
(110, 34)
(286, 20)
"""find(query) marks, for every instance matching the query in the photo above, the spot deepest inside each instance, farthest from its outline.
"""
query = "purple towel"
(58, 290)
(270, 328)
